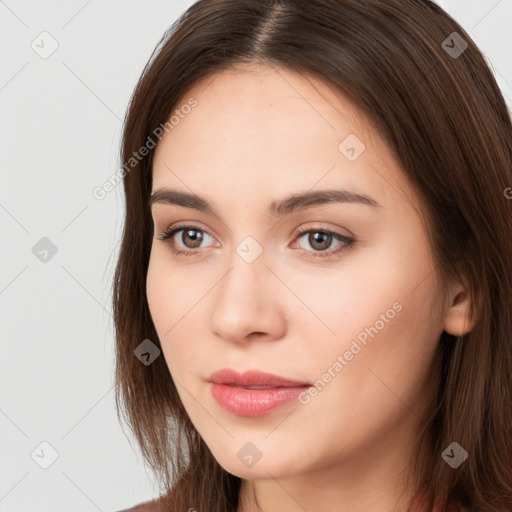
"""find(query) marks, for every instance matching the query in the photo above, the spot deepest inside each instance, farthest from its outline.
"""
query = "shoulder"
(147, 506)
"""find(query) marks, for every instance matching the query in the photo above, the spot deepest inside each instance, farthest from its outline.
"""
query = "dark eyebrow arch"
(282, 207)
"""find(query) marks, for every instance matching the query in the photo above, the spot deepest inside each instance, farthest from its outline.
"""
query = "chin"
(263, 469)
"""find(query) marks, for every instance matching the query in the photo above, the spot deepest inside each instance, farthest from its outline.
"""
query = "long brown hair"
(437, 105)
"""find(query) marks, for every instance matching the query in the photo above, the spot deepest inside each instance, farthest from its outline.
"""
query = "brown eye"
(191, 238)
(194, 235)
(319, 240)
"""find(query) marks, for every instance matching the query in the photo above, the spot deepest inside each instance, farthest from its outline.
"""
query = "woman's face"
(352, 319)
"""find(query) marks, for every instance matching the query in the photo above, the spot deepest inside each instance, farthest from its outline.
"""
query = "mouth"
(253, 393)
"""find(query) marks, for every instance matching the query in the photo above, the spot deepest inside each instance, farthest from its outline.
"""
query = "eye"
(320, 239)
(192, 237)
(192, 233)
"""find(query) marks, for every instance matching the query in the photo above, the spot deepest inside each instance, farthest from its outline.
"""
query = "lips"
(253, 379)
(253, 393)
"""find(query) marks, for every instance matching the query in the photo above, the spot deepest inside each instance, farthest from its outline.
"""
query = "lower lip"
(253, 402)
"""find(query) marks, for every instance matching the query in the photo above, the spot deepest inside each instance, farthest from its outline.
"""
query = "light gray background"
(60, 122)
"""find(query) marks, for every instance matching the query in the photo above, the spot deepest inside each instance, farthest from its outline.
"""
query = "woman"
(313, 294)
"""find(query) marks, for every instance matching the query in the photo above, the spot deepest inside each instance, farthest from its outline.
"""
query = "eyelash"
(167, 235)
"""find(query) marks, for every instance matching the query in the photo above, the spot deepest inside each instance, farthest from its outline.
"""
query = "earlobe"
(457, 320)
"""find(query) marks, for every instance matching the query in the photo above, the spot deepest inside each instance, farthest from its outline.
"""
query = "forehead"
(264, 128)
(260, 102)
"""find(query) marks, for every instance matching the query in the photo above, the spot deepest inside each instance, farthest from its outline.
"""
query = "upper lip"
(252, 378)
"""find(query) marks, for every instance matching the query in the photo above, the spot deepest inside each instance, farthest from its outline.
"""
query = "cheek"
(157, 291)
(380, 300)
(166, 290)
(172, 301)
(163, 296)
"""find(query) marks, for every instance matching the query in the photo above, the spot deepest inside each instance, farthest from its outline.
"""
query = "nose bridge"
(244, 302)
(245, 281)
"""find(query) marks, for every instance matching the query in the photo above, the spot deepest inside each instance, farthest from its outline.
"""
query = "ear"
(457, 320)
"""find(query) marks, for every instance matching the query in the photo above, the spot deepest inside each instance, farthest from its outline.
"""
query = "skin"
(257, 135)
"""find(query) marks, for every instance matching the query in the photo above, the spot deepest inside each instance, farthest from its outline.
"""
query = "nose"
(249, 303)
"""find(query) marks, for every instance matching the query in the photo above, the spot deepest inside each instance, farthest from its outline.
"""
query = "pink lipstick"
(253, 393)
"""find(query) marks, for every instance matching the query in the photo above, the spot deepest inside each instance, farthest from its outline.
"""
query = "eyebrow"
(295, 202)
